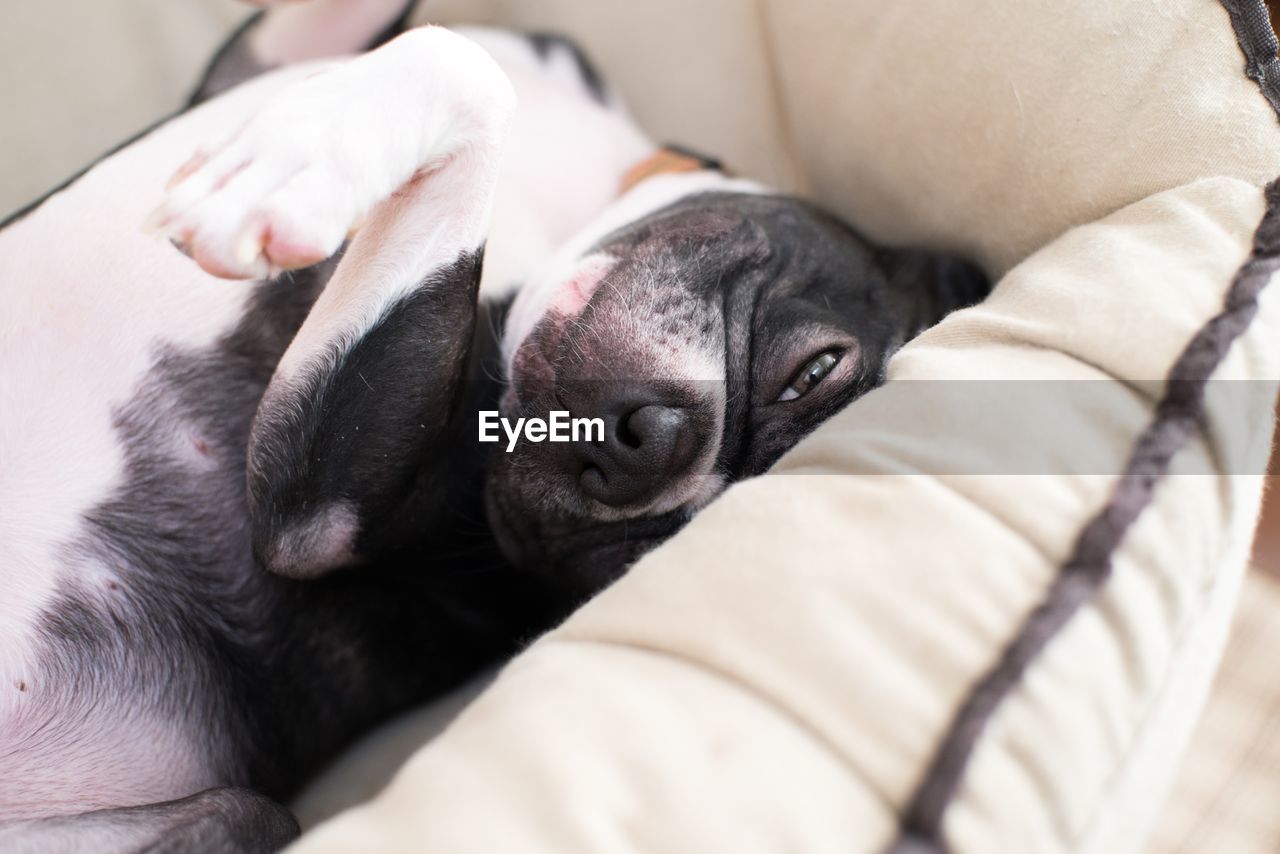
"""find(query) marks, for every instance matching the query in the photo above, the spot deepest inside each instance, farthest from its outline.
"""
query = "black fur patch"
(232, 64)
(215, 821)
(396, 27)
(234, 61)
(360, 426)
(544, 43)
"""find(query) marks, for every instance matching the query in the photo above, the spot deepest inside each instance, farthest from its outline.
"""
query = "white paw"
(283, 191)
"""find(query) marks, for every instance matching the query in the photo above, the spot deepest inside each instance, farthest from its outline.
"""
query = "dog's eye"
(810, 375)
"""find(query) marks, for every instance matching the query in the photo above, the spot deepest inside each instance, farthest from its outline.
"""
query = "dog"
(247, 512)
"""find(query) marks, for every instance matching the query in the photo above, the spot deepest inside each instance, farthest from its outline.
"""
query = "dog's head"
(709, 337)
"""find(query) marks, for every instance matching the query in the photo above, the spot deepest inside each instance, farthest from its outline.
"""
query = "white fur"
(444, 117)
(327, 539)
(562, 166)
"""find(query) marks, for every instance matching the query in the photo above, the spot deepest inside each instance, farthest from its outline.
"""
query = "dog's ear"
(925, 286)
(342, 449)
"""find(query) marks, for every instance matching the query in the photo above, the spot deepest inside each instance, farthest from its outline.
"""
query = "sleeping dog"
(247, 512)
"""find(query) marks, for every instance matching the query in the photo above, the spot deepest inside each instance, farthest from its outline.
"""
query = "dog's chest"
(88, 298)
(109, 340)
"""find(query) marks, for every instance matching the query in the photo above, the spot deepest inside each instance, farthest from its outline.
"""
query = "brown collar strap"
(667, 160)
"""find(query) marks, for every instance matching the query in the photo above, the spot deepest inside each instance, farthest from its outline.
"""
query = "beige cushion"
(1227, 789)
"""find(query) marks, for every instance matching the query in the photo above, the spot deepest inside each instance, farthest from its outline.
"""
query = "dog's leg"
(300, 31)
(409, 134)
(217, 821)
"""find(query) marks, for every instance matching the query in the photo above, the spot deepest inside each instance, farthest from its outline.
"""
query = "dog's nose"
(645, 448)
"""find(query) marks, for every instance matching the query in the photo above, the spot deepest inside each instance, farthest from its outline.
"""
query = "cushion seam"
(1252, 25)
(1080, 579)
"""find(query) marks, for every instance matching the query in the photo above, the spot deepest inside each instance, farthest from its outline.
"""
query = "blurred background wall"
(79, 76)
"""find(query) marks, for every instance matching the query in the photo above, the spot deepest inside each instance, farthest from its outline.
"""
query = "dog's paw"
(286, 188)
(280, 193)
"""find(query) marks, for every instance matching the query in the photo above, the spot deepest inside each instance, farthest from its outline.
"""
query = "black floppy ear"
(925, 287)
(337, 451)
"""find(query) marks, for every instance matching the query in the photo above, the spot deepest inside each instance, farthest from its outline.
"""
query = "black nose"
(646, 447)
